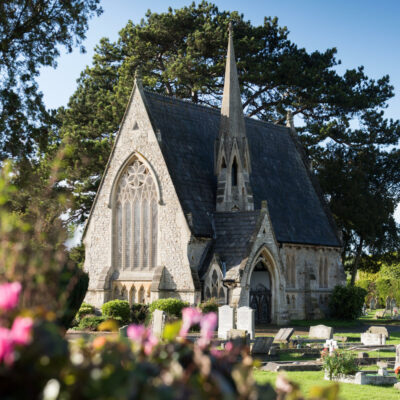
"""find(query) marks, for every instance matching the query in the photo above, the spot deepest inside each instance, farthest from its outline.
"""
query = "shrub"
(91, 322)
(117, 309)
(139, 313)
(339, 363)
(173, 307)
(85, 309)
(210, 305)
(346, 302)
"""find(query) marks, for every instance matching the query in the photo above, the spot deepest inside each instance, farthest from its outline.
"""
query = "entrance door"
(260, 301)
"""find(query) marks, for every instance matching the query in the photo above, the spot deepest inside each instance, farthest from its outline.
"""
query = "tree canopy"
(182, 53)
(32, 32)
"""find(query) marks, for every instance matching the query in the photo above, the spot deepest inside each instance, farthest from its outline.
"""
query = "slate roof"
(187, 134)
(233, 234)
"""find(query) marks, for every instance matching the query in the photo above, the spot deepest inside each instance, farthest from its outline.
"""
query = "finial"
(289, 120)
(264, 205)
(230, 28)
(138, 73)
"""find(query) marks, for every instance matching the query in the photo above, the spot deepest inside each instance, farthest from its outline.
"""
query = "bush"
(346, 302)
(208, 306)
(173, 307)
(139, 313)
(118, 309)
(339, 363)
(85, 309)
(91, 322)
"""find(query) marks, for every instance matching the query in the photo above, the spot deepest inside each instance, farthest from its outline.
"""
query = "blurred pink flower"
(216, 353)
(282, 384)
(228, 347)
(137, 332)
(150, 343)
(190, 317)
(207, 327)
(6, 346)
(21, 330)
(9, 295)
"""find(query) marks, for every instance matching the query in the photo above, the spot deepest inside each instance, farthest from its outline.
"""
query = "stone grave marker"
(393, 303)
(245, 320)
(320, 332)
(382, 371)
(397, 362)
(225, 321)
(364, 309)
(387, 303)
(372, 304)
(239, 336)
(262, 345)
(331, 345)
(379, 329)
(380, 314)
(283, 335)
(373, 339)
(123, 331)
(158, 322)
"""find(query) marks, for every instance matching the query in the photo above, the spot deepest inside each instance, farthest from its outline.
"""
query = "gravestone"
(373, 339)
(320, 332)
(397, 362)
(239, 336)
(364, 309)
(379, 329)
(331, 345)
(372, 304)
(380, 314)
(123, 331)
(158, 322)
(245, 320)
(393, 304)
(283, 335)
(262, 345)
(387, 303)
(382, 365)
(225, 321)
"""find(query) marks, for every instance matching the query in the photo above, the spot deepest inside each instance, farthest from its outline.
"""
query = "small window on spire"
(234, 173)
(223, 165)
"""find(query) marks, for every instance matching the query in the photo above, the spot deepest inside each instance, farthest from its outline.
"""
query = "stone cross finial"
(138, 74)
(289, 120)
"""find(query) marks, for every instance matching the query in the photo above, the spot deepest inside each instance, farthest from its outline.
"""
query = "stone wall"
(137, 139)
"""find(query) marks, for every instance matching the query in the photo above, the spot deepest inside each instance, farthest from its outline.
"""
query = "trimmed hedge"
(85, 309)
(346, 302)
(91, 322)
(117, 309)
(208, 306)
(173, 307)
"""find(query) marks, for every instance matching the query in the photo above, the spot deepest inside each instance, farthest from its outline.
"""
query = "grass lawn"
(348, 391)
(337, 323)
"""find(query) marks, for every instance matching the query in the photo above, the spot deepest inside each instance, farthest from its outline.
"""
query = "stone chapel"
(197, 203)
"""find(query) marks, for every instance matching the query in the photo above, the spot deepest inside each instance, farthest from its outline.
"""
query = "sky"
(365, 32)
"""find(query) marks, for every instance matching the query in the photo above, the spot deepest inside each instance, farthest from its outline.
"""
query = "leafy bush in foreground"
(346, 302)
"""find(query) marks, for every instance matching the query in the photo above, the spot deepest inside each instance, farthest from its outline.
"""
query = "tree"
(182, 53)
(31, 33)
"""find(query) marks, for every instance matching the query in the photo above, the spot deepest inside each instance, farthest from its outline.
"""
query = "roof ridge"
(209, 108)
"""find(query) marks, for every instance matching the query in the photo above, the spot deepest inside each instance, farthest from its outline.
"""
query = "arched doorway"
(260, 293)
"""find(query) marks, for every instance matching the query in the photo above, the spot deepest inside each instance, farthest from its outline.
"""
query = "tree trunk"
(356, 262)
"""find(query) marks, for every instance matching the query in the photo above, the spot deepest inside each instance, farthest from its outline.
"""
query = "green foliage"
(117, 309)
(77, 283)
(173, 307)
(91, 322)
(210, 305)
(346, 302)
(339, 363)
(85, 309)
(139, 313)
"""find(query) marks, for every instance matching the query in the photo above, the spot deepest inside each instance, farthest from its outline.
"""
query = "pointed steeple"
(232, 158)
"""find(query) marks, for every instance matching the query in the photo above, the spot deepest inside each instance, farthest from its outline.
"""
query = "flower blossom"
(208, 324)
(21, 330)
(143, 337)
(9, 295)
(190, 317)
(6, 346)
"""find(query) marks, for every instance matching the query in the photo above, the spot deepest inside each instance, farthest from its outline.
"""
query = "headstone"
(262, 345)
(373, 339)
(362, 354)
(225, 321)
(397, 362)
(245, 320)
(387, 303)
(320, 332)
(379, 329)
(283, 335)
(382, 371)
(340, 338)
(331, 345)
(372, 304)
(158, 322)
(123, 331)
(380, 314)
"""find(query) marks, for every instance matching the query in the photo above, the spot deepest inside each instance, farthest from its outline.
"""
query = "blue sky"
(364, 32)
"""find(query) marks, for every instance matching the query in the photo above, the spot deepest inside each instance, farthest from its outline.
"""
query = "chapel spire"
(232, 158)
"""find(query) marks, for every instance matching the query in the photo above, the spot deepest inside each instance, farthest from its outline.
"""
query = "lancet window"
(136, 219)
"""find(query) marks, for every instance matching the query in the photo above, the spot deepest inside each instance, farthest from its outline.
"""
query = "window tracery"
(136, 219)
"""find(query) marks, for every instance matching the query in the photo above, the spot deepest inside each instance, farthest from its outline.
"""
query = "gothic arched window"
(136, 219)
(234, 172)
